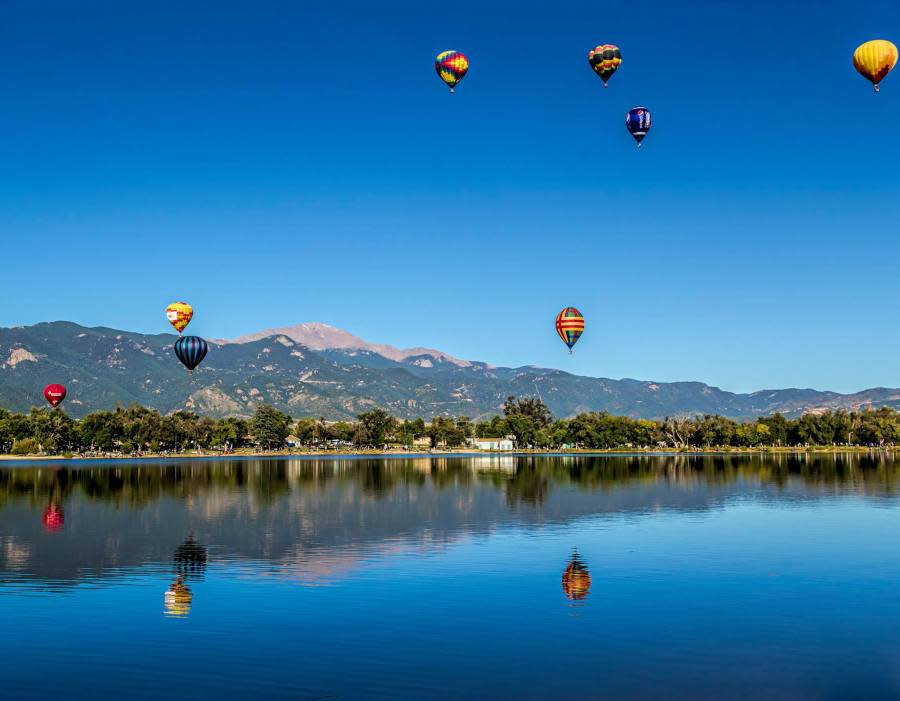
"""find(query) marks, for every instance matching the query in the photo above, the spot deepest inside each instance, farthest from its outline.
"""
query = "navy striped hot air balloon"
(191, 350)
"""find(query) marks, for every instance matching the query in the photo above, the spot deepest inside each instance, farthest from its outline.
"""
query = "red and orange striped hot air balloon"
(570, 326)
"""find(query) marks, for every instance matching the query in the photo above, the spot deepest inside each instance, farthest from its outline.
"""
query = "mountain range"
(317, 370)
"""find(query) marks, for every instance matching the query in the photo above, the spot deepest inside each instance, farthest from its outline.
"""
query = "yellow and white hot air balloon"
(875, 59)
(179, 315)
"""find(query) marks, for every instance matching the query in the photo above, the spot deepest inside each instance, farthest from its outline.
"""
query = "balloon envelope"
(637, 122)
(179, 315)
(191, 350)
(875, 59)
(605, 59)
(570, 326)
(452, 67)
(55, 394)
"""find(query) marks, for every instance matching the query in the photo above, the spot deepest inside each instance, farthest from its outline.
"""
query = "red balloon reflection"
(53, 518)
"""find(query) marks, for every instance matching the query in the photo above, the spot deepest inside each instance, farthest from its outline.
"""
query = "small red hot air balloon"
(53, 518)
(54, 394)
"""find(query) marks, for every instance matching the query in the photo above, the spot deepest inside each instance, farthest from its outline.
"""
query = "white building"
(495, 444)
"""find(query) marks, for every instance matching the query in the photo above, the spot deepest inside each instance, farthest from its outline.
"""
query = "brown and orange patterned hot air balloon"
(576, 580)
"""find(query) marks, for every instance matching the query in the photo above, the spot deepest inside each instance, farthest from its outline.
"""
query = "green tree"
(378, 424)
(270, 427)
(778, 428)
(495, 428)
(525, 417)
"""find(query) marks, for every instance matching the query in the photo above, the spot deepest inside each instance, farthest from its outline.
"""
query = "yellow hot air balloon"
(875, 59)
(179, 315)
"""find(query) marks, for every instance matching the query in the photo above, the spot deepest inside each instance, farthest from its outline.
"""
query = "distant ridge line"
(332, 373)
(319, 336)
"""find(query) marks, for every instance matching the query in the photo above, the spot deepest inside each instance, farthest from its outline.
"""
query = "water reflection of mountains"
(314, 520)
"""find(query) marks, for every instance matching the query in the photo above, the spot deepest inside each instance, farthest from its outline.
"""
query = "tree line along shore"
(526, 422)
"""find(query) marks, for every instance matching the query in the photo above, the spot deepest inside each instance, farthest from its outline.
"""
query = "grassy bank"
(253, 453)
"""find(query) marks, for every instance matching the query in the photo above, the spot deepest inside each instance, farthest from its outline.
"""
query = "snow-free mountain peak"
(319, 336)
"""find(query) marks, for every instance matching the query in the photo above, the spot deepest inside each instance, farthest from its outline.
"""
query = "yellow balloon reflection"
(190, 562)
(178, 598)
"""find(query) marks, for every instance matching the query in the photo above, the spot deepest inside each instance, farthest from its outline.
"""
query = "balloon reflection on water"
(178, 598)
(53, 518)
(576, 580)
(190, 562)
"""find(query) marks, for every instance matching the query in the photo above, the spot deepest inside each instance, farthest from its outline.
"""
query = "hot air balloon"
(576, 580)
(55, 394)
(191, 350)
(875, 59)
(570, 326)
(179, 315)
(452, 67)
(605, 59)
(53, 518)
(638, 123)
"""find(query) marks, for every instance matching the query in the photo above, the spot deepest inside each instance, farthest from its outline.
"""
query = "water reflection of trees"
(526, 480)
(190, 558)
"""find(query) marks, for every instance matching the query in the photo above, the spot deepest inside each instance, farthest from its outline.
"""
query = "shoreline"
(399, 453)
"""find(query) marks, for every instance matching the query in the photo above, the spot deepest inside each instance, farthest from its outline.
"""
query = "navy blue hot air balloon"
(191, 350)
(638, 123)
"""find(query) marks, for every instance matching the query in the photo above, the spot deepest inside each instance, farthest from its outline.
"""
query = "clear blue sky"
(279, 162)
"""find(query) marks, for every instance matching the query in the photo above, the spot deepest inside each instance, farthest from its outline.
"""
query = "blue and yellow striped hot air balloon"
(191, 350)
(452, 67)
(570, 326)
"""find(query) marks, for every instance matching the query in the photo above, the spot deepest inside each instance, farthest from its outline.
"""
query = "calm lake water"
(452, 577)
